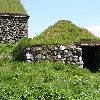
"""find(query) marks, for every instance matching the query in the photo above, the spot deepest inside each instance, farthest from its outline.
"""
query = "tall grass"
(47, 81)
(5, 51)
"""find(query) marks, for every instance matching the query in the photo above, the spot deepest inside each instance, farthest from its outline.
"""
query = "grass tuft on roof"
(12, 6)
(63, 32)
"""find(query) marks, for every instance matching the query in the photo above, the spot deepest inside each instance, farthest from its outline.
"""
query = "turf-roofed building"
(13, 21)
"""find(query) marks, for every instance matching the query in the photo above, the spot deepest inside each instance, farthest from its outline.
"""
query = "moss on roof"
(12, 6)
(63, 32)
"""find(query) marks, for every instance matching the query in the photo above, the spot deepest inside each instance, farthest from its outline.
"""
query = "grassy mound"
(63, 32)
(47, 81)
(11, 6)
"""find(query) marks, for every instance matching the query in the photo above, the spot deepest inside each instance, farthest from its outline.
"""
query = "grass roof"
(63, 32)
(11, 6)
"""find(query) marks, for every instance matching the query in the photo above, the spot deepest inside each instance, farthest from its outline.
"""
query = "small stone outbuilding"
(13, 21)
(85, 54)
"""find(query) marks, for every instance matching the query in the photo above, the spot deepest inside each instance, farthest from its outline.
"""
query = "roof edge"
(14, 15)
(90, 42)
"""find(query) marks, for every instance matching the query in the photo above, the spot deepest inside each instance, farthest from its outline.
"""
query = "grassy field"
(44, 80)
(47, 81)
(11, 6)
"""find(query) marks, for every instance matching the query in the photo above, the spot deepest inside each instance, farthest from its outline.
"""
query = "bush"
(18, 52)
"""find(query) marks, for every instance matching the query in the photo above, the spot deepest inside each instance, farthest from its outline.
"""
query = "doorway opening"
(91, 57)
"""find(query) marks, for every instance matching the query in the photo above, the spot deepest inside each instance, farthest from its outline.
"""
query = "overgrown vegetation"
(11, 6)
(5, 50)
(44, 80)
(47, 81)
(63, 32)
(18, 52)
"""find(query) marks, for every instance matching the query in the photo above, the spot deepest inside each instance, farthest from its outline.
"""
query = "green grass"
(63, 32)
(5, 50)
(44, 80)
(47, 81)
(11, 6)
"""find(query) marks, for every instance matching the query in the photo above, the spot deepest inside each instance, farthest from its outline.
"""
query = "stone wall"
(67, 54)
(13, 27)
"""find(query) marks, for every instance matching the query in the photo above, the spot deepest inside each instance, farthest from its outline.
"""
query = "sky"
(44, 13)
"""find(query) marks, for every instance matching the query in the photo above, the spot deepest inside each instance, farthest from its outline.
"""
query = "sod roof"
(63, 32)
(12, 6)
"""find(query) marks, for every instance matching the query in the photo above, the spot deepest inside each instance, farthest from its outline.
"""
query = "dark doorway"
(91, 57)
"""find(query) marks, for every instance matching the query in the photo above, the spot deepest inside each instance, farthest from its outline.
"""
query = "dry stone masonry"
(67, 54)
(13, 27)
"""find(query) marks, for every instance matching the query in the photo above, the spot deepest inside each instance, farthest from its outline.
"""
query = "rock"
(39, 56)
(74, 52)
(64, 59)
(62, 47)
(73, 63)
(55, 53)
(55, 48)
(72, 47)
(70, 53)
(80, 63)
(79, 49)
(65, 51)
(48, 57)
(75, 58)
(65, 56)
(71, 59)
(43, 57)
(37, 48)
(29, 57)
(28, 60)
(44, 52)
(59, 56)
(80, 59)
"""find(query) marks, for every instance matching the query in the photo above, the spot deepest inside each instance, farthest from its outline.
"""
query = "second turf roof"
(12, 6)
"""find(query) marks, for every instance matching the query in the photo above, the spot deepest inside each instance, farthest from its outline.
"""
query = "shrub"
(18, 52)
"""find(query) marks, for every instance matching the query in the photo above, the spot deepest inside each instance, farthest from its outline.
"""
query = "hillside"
(63, 32)
(11, 6)
(47, 81)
